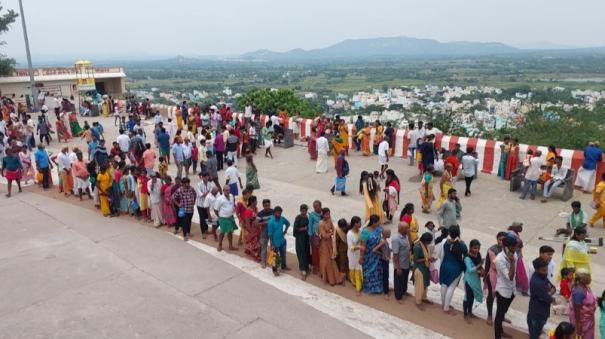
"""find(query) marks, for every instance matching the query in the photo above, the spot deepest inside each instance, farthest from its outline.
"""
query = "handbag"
(181, 212)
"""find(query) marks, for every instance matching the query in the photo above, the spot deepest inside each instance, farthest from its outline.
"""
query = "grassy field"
(332, 78)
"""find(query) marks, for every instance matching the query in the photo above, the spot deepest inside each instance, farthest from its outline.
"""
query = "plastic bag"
(434, 274)
(341, 184)
(270, 257)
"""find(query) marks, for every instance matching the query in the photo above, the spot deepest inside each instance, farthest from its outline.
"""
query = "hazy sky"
(114, 29)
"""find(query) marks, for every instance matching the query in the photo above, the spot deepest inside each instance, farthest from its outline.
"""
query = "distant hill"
(384, 47)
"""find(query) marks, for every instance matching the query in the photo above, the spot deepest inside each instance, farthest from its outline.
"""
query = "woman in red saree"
(513, 159)
(62, 131)
(167, 210)
(312, 144)
(252, 240)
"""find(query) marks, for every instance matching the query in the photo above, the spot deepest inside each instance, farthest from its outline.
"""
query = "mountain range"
(397, 47)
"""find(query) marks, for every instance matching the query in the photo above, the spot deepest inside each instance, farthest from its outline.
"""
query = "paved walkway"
(69, 273)
(288, 180)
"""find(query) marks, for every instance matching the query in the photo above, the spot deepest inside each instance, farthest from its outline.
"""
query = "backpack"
(345, 168)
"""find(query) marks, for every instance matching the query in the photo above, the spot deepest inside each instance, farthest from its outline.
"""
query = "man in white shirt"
(171, 129)
(73, 157)
(225, 208)
(532, 174)
(187, 154)
(232, 178)
(383, 156)
(558, 173)
(205, 119)
(430, 130)
(546, 253)
(203, 188)
(322, 154)
(252, 137)
(3, 127)
(41, 98)
(506, 264)
(274, 120)
(469, 169)
(154, 186)
(157, 119)
(248, 112)
(412, 142)
(57, 106)
(421, 132)
(64, 163)
(123, 141)
(208, 205)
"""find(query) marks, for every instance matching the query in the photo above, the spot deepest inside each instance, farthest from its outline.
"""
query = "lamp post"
(30, 69)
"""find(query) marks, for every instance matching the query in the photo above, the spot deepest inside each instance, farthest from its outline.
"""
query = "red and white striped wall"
(488, 150)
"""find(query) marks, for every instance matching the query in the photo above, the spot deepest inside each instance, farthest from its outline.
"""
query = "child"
(472, 278)
(163, 167)
(566, 281)
(384, 250)
(429, 227)
(377, 176)
(194, 156)
(567, 276)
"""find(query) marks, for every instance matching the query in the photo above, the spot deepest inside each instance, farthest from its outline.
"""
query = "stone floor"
(75, 273)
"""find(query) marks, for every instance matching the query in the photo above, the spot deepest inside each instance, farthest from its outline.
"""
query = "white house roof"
(60, 73)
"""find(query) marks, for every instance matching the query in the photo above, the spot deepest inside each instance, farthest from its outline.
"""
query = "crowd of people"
(131, 178)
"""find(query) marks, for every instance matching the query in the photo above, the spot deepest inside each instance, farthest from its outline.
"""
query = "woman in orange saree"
(365, 140)
(513, 159)
(179, 117)
(343, 131)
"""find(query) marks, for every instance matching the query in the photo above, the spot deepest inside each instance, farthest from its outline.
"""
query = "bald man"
(400, 245)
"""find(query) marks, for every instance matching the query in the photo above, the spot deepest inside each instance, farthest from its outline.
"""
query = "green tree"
(272, 101)
(571, 130)
(6, 64)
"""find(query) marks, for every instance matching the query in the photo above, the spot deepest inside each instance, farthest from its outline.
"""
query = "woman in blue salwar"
(452, 265)
(473, 264)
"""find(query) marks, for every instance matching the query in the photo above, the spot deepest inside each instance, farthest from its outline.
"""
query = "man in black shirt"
(541, 291)
(262, 218)
(389, 137)
(231, 145)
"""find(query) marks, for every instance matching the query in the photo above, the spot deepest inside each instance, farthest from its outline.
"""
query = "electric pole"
(30, 69)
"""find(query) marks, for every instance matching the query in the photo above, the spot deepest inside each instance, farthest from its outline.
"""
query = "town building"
(62, 82)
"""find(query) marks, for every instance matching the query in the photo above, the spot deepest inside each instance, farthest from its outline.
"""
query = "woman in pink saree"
(521, 278)
(167, 210)
(26, 160)
(582, 306)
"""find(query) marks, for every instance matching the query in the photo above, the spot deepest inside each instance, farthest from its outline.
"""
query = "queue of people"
(123, 180)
